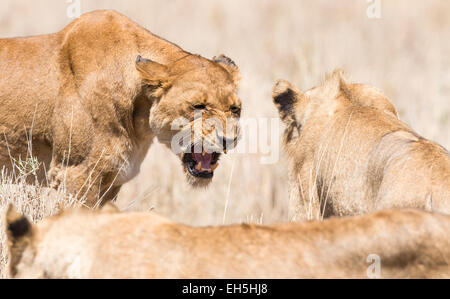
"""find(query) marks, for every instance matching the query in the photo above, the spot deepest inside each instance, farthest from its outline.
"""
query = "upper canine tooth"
(204, 153)
(199, 166)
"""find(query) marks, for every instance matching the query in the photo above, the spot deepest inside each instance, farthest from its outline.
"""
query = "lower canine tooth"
(199, 166)
(214, 167)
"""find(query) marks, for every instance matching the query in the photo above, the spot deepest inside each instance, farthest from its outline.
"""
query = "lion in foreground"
(108, 244)
(350, 154)
(88, 101)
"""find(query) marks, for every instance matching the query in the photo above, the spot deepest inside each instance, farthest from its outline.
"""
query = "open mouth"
(201, 165)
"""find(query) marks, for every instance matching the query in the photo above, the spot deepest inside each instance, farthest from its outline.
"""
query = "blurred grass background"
(405, 53)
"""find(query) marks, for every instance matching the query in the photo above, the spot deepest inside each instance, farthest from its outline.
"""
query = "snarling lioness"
(350, 154)
(88, 101)
(109, 244)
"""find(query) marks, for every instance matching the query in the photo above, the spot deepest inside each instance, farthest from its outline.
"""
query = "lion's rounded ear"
(17, 225)
(285, 96)
(154, 74)
(230, 66)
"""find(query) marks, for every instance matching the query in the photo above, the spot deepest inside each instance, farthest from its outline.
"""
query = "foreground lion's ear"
(19, 235)
(230, 66)
(285, 96)
(154, 74)
(18, 226)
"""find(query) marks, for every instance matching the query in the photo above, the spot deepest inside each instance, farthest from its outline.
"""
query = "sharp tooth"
(199, 167)
(214, 167)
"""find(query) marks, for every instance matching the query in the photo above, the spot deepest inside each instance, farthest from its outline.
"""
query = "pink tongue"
(206, 160)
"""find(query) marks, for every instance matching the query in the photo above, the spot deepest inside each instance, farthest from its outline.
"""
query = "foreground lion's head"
(196, 109)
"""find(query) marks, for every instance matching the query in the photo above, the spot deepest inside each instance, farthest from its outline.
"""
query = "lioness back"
(350, 154)
(107, 244)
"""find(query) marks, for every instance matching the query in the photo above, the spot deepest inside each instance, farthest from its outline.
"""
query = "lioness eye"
(200, 107)
(235, 110)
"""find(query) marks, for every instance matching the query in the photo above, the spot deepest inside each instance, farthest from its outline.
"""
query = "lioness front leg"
(86, 184)
(86, 156)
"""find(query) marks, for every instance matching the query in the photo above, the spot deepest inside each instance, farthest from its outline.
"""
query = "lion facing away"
(109, 244)
(87, 102)
(350, 154)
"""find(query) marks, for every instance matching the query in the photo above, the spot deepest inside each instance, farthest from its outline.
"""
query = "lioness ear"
(285, 96)
(369, 96)
(19, 235)
(17, 225)
(154, 74)
(230, 66)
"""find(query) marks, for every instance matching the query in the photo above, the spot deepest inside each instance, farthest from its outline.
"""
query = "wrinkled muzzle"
(209, 140)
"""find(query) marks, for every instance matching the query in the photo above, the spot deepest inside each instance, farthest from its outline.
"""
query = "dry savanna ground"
(405, 53)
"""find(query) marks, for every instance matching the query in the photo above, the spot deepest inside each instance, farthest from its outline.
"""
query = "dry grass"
(35, 201)
(405, 53)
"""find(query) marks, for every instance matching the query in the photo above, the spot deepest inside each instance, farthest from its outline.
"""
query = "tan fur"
(105, 244)
(92, 109)
(350, 154)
